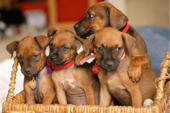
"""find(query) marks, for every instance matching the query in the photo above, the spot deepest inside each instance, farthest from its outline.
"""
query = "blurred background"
(20, 18)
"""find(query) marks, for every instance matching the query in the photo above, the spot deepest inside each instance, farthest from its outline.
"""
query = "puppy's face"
(109, 46)
(30, 52)
(63, 47)
(109, 49)
(98, 16)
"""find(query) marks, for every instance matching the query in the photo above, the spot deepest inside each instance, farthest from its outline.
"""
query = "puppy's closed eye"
(19, 58)
(36, 56)
(65, 48)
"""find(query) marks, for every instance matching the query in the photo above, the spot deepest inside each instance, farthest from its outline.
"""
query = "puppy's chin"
(109, 69)
(28, 75)
(32, 73)
(59, 63)
(85, 34)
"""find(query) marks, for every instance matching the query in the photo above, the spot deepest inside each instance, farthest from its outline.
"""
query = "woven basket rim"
(158, 105)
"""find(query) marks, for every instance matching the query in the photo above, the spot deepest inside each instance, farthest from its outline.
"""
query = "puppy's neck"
(64, 66)
(125, 28)
(41, 72)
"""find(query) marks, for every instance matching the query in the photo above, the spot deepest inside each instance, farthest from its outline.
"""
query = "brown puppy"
(74, 85)
(30, 52)
(102, 15)
(112, 49)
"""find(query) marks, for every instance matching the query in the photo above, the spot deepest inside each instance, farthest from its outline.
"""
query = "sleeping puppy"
(74, 85)
(38, 85)
(113, 56)
(102, 15)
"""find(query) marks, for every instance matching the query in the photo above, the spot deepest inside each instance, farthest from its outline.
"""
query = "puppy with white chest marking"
(38, 85)
(74, 85)
(113, 56)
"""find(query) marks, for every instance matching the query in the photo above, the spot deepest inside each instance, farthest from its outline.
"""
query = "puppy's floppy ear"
(117, 19)
(42, 41)
(129, 42)
(78, 42)
(12, 47)
(80, 39)
(88, 45)
(52, 31)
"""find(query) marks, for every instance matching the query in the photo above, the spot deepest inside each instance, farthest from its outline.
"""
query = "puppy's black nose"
(110, 64)
(27, 70)
(53, 58)
(76, 26)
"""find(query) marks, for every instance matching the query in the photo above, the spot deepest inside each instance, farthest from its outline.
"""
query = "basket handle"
(13, 78)
(163, 77)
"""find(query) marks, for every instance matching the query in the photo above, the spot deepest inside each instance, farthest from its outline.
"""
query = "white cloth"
(5, 75)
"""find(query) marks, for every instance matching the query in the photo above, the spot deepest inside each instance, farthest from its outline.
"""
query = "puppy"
(102, 15)
(30, 52)
(113, 56)
(74, 85)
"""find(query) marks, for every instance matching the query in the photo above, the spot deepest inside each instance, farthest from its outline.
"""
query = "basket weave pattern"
(16, 104)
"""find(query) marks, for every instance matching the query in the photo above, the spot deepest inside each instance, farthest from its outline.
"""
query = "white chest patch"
(68, 83)
(109, 83)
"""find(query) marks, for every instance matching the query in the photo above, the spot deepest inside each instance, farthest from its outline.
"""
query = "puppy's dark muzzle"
(76, 26)
(109, 65)
(27, 71)
(53, 58)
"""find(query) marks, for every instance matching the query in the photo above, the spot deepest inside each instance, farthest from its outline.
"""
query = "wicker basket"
(16, 104)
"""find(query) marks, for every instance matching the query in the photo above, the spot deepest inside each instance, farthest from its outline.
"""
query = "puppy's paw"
(135, 73)
(77, 62)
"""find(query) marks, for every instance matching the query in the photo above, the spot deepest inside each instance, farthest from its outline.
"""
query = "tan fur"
(106, 15)
(116, 82)
(25, 51)
(74, 85)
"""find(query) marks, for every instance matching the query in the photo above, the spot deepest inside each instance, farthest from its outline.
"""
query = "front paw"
(135, 73)
(77, 61)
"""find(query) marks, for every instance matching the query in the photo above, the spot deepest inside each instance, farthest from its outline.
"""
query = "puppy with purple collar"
(74, 85)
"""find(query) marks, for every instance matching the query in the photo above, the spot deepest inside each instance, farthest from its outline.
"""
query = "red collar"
(126, 28)
(60, 67)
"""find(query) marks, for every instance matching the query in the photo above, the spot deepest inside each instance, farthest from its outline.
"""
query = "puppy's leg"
(29, 94)
(135, 68)
(136, 95)
(48, 98)
(105, 97)
(30, 99)
(90, 95)
(61, 96)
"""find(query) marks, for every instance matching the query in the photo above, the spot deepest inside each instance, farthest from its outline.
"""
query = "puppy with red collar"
(102, 15)
(38, 85)
(74, 85)
(113, 56)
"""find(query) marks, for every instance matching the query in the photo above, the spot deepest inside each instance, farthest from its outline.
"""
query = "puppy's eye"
(35, 56)
(91, 15)
(118, 48)
(19, 58)
(66, 48)
(99, 48)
